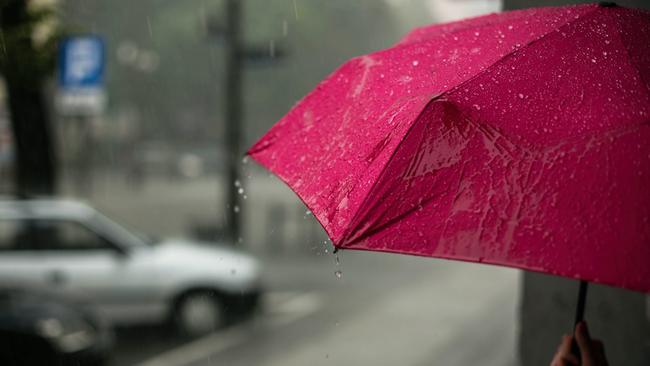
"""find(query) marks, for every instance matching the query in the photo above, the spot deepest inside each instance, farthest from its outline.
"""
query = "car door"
(20, 260)
(73, 259)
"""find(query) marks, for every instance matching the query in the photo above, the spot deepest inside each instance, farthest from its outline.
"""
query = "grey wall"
(616, 316)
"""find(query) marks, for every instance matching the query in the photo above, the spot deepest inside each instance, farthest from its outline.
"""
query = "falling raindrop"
(236, 209)
(338, 274)
(237, 183)
(240, 190)
(285, 28)
(245, 159)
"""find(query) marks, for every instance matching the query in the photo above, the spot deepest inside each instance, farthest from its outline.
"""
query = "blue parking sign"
(81, 62)
(81, 75)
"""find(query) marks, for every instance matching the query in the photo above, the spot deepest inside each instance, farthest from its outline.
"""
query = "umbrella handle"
(580, 312)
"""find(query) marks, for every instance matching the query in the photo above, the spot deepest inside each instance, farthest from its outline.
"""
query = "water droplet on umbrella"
(415, 62)
(477, 107)
(521, 96)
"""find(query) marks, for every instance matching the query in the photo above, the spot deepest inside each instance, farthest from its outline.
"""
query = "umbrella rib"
(352, 228)
(394, 220)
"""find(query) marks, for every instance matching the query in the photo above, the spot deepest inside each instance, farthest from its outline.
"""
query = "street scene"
(309, 182)
(380, 305)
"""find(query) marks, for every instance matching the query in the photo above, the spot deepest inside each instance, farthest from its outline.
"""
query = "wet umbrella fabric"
(519, 139)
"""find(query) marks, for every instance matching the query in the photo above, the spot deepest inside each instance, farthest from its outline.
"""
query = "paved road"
(384, 310)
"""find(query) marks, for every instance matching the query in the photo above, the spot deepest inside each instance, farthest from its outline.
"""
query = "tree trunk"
(35, 163)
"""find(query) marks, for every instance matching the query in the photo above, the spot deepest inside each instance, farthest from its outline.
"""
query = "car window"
(48, 235)
(9, 230)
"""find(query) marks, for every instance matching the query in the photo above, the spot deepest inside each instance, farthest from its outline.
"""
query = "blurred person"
(592, 351)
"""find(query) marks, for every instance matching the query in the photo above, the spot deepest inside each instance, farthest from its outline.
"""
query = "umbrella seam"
(346, 233)
(441, 95)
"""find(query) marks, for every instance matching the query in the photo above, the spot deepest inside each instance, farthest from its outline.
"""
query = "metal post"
(233, 93)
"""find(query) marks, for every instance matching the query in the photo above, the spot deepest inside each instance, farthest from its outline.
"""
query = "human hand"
(592, 351)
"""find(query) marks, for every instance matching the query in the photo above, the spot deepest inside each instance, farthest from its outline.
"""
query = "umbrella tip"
(607, 4)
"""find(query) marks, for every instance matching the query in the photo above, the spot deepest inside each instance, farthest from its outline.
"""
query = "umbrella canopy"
(520, 139)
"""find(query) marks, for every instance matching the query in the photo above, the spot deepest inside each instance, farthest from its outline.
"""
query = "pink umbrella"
(519, 139)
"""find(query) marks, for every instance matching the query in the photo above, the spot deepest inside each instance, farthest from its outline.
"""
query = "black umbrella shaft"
(580, 314)
(582, 298)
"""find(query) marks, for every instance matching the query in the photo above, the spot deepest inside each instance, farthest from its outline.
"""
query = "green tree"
(27, 58)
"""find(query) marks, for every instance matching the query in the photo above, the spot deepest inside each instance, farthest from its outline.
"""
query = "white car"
(71, 248)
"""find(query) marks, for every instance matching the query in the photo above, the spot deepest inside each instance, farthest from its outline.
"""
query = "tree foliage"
(28, 42)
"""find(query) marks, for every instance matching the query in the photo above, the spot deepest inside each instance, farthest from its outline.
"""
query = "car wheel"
(198, 313)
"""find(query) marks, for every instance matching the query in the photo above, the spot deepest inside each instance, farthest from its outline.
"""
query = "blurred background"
(142, 110)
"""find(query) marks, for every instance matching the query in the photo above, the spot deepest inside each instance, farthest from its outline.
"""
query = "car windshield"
(124, 235)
